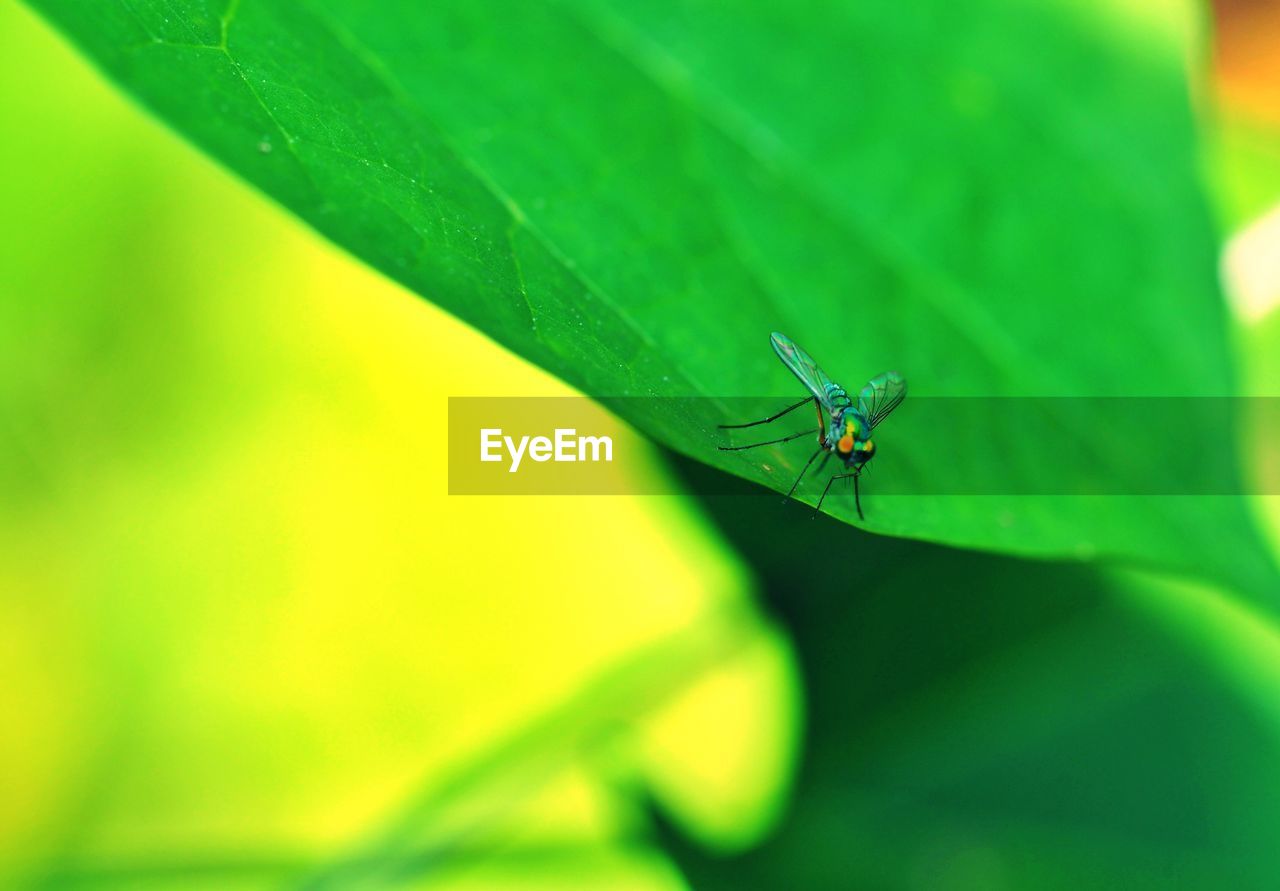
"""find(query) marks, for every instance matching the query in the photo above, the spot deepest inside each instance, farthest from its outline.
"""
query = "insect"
(845, 430)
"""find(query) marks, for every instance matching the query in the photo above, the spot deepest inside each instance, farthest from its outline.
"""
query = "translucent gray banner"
(1139, 446)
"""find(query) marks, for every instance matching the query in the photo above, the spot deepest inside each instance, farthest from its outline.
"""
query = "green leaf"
(995, 198)
(983, 722)
(1245, 168)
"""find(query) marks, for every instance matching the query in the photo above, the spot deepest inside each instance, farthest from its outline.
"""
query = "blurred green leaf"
(1245, 168)
(1262, 351)
(982, 722)
(1245, 124)
(995, 198)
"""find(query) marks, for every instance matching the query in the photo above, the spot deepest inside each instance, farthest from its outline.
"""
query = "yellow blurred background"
(244, 633)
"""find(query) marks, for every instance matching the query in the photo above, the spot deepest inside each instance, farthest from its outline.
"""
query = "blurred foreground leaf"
(995, 198)
(1247, 117)
(982, 722)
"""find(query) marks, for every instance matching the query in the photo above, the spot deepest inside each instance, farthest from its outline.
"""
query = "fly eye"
(845, 445)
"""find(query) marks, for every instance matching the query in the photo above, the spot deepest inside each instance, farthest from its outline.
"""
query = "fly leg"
(792, 490)
(807, 465)
(756, 445)
(773, 418)
(857, 498)
(838, 476)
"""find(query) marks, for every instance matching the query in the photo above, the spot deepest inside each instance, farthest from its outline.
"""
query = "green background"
(249, 642)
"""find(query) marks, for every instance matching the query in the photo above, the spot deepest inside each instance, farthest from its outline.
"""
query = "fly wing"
(803, 367)
(881, 395)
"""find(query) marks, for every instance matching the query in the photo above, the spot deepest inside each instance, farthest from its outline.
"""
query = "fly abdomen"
(837, 397)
